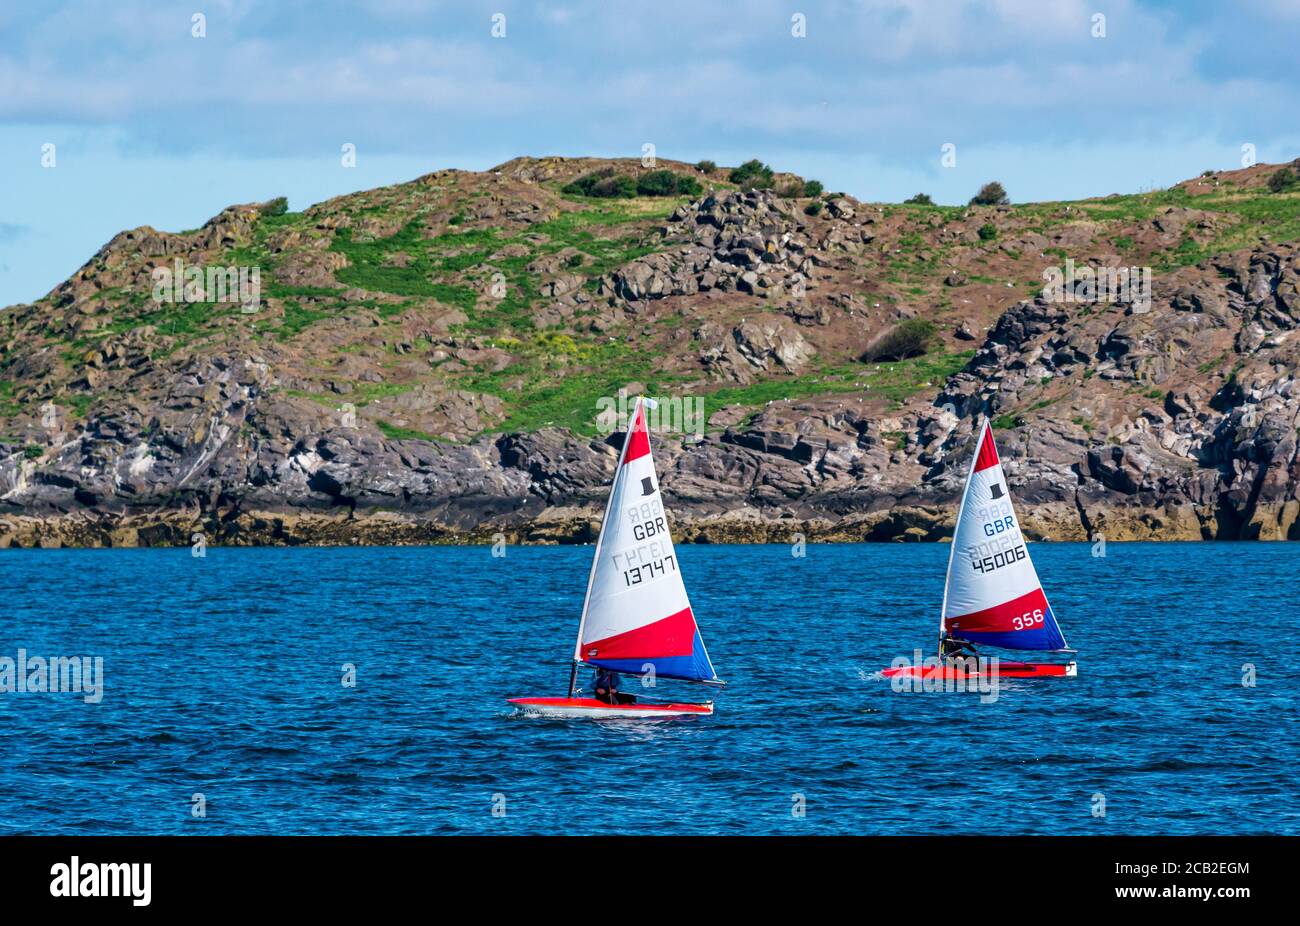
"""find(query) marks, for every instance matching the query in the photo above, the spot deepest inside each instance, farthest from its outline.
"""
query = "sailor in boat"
(954, 650)
(606, 688)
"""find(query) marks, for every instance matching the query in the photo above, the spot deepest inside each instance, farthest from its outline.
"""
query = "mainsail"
(993, 595)
(637, 617)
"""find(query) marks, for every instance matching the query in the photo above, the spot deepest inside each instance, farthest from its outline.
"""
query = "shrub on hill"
(608, 185)
(920, 199)
(667, 183)
(277, 206)
(706, 167)
(910, 338)
(752, 175)
(1281, 180)
(602, 183)
(990, 194)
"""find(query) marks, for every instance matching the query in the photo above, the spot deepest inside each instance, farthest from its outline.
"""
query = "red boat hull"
(1004, 670)
(590, 707)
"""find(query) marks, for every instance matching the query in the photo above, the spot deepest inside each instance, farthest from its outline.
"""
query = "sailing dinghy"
(993, 596)
(636, 618)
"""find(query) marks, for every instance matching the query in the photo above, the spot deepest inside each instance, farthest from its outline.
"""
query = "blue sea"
(223, 677)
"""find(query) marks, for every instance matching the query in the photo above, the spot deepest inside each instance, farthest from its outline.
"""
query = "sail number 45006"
(986, 558)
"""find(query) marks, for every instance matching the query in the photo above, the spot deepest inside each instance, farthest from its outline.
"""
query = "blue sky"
(153, 126)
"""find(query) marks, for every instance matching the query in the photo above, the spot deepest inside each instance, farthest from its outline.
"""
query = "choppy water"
(222, 677)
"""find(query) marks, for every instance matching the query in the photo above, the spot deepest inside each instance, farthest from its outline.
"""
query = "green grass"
(433, 263)
(558, 379)
(297, 320)
(183, 321)
(895, 382)
(560, 385)
(8, 407)
(396, 433)
(281, 291)
(362, 394)
(78, 404)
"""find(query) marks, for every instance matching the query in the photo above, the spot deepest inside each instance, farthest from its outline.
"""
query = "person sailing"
(952, 649)
(606, 687)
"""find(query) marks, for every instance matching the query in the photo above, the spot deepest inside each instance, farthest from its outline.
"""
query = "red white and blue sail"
(637, 617)
(993, 596)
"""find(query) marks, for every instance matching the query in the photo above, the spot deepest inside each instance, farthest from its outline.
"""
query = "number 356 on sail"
(1030, 619)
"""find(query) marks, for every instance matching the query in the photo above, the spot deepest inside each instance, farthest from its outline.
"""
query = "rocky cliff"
(424, 363)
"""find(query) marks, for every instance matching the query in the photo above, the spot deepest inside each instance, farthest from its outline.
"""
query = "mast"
(952, 548)
(591, 575)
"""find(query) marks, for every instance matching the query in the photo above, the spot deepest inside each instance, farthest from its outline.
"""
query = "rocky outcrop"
(401, 379)
(730, 242)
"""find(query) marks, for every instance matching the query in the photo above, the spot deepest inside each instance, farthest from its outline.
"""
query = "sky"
(153, 123)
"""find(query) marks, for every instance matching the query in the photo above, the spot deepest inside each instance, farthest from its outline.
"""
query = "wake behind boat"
(636, 618)
(992, 596)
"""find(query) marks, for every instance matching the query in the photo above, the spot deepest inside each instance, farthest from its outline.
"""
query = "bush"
(988, 231)
(602, 183)
(667, 183)
(990, 194)
(920, 199)
(753, 174)
(277, 206)
(1281, 180)
(813, 188)
(32, 451)
(688, 186)
(657, 183)
(813, 208)
(582, 186)
(911, 338)
(620, 187)
(608, 185)
(706, 167)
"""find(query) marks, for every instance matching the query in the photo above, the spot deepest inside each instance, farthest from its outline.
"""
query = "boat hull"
(1004, 670)
(590, 707)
